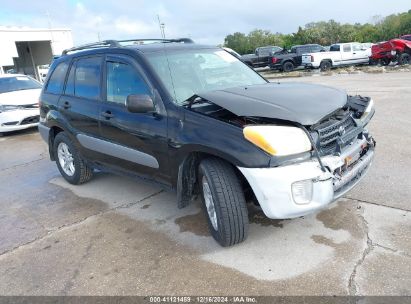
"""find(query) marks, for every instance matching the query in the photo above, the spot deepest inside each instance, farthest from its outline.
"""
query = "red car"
(394, 50)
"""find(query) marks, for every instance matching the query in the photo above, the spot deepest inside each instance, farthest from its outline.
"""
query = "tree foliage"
(324, 33)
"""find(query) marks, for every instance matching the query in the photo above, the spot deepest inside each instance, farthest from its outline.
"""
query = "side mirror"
(139, 103)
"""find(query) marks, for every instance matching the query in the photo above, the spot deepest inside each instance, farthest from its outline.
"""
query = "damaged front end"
(340, 152)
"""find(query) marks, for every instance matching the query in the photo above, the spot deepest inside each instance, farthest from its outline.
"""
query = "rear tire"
(69, 161)
(288, 66)
(325, 65)
(404, 58)
(223, 202)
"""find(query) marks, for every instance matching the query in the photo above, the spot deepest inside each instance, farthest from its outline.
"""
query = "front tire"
(69, 161)
(223, 202)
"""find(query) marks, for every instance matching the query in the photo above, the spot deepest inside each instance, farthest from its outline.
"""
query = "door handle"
(66, 105)
(107, 114)
(354, 53)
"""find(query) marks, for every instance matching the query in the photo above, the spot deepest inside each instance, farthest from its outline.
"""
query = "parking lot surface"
(122, 236)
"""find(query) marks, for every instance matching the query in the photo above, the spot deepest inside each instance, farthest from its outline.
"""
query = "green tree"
(325, 33)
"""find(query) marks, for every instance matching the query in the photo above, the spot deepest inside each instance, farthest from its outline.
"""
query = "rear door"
(136, 141)
(81, 101)
(299, 52)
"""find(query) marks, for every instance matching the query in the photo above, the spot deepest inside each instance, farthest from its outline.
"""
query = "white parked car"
(340, 54)
(19, 96)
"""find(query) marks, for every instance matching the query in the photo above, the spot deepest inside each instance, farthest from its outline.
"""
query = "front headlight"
(278, 140)
(368, 110)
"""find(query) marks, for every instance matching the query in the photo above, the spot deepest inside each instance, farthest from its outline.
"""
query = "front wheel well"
(323, 66)
(187, 180)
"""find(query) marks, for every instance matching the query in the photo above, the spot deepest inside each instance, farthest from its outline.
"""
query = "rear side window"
(56, 81)
(87, 78)
(123, 80)
(335, 48)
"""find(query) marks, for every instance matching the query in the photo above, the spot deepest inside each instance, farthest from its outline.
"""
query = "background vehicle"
(19, 96)
(200, 121)
(261, 56)
(394, 50)
(288, 61)
(232, 52)
(339, 55)
(43, 70)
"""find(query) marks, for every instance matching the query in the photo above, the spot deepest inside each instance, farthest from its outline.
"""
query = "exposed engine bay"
(331, 134)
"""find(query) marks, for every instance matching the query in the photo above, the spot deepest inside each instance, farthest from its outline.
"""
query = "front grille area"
(30, 120)
(331, 130)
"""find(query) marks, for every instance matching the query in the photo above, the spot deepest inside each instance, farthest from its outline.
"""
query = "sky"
(205, 21)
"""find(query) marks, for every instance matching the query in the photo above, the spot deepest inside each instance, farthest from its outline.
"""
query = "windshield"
(190, 72)
(17, 83)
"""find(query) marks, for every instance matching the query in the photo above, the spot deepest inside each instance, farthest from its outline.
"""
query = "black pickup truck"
(288, 61)
(261, 57)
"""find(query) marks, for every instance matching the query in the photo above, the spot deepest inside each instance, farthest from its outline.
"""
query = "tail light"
(274, 60)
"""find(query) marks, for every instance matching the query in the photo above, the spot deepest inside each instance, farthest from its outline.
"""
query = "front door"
(347, 56)
(360, 55)
(136, 141)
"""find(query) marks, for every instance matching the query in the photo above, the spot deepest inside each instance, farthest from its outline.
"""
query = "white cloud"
(124, 24)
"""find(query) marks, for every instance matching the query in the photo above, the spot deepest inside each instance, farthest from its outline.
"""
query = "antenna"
(51, 32)
(161, 26)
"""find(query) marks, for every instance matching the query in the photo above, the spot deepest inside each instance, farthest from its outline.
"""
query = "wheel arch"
(54, 130)
(326, 60)
(187, 183)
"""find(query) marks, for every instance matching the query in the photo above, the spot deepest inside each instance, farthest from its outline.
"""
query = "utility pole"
(51, 32)
(162, 26)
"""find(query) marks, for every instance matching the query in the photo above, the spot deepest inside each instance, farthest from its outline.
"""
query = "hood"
(303, 103)
(20, 98)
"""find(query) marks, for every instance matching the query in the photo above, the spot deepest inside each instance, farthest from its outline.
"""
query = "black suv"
(200, 121)
(288, 61)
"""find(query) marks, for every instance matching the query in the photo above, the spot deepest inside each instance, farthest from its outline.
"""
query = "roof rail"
(94, 45)
(177, 40)
(117, 43)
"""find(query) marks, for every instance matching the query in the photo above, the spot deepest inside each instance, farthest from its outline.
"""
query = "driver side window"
(123, 80)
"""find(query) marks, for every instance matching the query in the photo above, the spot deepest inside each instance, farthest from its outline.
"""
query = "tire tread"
(230, 198)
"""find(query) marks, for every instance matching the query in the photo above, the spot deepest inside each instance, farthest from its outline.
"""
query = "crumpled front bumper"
(273, 186)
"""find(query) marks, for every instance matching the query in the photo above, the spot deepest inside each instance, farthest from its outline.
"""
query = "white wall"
(61, 39)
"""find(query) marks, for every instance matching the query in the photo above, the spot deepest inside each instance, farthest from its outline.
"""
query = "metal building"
(26, 50)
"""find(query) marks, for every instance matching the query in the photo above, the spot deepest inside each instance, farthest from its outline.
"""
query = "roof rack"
(118, 43)
(177, 40)
(94, 45)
